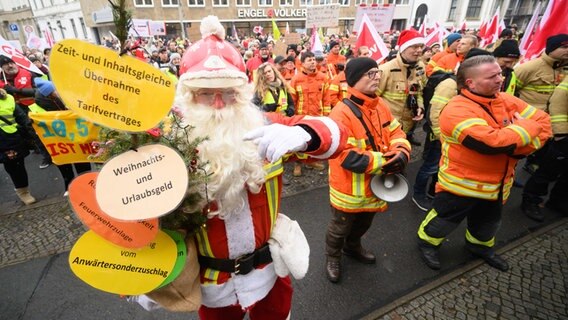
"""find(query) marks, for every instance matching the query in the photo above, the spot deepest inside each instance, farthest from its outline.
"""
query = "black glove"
(11, 89)
(396, 162)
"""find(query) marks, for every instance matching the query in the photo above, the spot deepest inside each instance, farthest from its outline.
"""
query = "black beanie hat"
(332, 44)
(4, 60)
(476, 52)
(555, 42)
(357, 67)
(507, 49)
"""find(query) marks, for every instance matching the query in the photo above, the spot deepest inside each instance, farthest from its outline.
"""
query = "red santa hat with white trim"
(212, 62)
(408, 38)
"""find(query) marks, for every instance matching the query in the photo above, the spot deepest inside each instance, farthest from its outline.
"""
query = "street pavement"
(37, 282)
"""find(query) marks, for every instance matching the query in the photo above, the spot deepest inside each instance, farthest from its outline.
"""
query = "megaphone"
(390, 188)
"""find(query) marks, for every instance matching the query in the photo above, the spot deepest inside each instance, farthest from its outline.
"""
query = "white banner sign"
(157, 28)
(139, 28)
(323, 16)
(380, 16)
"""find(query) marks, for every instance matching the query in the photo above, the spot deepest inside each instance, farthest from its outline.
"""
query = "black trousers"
(346, 230)
(17, 171)
(483, 221)
(553, 167)
(68, 174)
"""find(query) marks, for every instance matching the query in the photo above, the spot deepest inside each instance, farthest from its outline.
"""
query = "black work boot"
(492, 259)
(532, 210)
(360, 254)
(431, 256)
(333, 269)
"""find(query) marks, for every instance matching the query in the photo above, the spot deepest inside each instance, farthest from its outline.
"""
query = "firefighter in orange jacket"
(383, 149)
(337, 89)
(451, 43)
(483, 133)
(451, 62)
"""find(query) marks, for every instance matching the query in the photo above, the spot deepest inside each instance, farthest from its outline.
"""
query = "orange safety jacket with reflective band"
(433, 63)
(481, 148)
(307, 91)
(350, 173)
(337, 89)
(449, 63)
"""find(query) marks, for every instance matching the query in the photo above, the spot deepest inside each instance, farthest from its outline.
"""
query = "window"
(359, 2)
(473, 9)
(323, 2)
(343, 3)
(286, 3)
(306, 2)
(143, 3)
(170, 3)
(452, 13)
(74, 28)
(196, 3)
(399, 2)
(220, 3)
(84, 27)
(265, 3)
(61, 29)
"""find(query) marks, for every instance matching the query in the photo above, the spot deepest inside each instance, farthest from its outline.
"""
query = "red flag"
(368, 36)
(482, 30)
(527, 37)
(463, 26)
(553, 23)
(492, 31)
(422, 29)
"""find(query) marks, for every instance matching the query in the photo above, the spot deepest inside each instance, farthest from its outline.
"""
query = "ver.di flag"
(368, 36)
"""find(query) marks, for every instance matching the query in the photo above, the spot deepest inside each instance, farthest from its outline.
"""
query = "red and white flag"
(6, 49)
(436, 37)
(553, 22)
(369, 37)
(492, 32)
(316, 42)
(422, 29)
(287, 28)
(463, 26)
(529, 31)
(482, 29)
(48, 38)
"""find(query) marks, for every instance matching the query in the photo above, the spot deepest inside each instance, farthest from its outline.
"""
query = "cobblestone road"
(536, 287)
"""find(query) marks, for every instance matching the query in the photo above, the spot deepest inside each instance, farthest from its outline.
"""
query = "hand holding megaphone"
(390, 188)
(396, 162)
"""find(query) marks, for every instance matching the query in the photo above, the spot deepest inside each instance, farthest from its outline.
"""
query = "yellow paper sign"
(66, 136)
(118, 270)
(142, 184)
(119, 92)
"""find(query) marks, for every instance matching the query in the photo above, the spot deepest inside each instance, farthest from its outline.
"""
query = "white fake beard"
(232, 162)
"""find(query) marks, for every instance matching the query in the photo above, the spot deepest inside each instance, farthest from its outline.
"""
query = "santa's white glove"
(146, 302)
(276, 140)
(289, 248)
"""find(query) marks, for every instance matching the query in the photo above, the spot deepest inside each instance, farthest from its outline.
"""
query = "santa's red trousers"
(275, 306)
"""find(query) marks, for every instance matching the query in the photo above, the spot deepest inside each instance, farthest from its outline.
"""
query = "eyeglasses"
(208, 96)
(373, 73)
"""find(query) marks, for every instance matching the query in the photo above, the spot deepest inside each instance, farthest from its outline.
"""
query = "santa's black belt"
(241, 265)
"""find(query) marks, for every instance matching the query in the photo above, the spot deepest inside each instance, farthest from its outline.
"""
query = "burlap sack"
(184, 293)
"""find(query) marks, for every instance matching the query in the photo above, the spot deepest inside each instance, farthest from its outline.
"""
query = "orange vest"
(350, 173)
(337, 89)
(449, 63)
(480, 150)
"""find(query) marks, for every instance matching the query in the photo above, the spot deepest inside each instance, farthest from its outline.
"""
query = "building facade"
(17, 18)
(62, 19)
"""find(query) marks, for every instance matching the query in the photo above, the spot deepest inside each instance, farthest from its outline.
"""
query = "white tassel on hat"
(211, 25)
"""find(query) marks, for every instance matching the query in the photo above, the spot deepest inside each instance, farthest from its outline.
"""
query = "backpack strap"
(359, 116)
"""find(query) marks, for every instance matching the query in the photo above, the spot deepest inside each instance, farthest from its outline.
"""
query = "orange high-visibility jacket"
(433, 63)
(350, 173)
(337, 89)
(449, 63)
(480, 148)
(307, 91)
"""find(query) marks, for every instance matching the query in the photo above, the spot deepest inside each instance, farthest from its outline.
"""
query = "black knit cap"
(477, 52)
(555, 42)
(5, 60)
(357, 67)
(507, 49)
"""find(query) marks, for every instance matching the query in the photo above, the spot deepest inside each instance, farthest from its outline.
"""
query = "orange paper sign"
(128, 234)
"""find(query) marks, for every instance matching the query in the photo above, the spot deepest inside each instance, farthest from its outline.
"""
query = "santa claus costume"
(239, 273)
